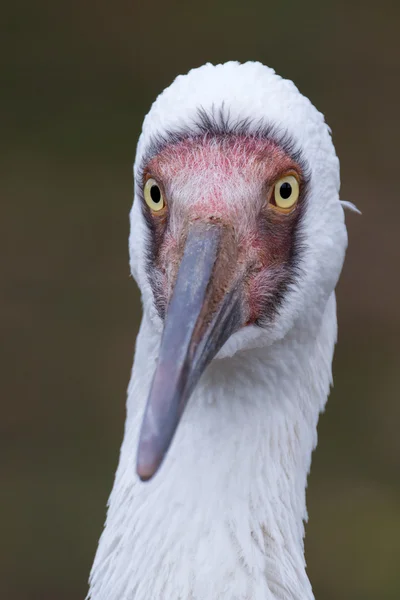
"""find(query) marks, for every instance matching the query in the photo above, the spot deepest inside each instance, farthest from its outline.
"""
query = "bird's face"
(223, 214)
(242, 194)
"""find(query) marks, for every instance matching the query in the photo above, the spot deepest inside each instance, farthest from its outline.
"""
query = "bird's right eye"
(153, 195)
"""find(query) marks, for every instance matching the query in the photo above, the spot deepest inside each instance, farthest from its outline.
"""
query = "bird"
(237, 242)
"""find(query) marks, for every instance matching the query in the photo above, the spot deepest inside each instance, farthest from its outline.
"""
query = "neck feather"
(224, 518)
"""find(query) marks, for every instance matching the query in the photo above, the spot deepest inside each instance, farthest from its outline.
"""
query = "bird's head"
(237, 231)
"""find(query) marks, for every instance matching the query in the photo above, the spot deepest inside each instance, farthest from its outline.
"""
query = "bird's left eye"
(286, 192)
(153, 195)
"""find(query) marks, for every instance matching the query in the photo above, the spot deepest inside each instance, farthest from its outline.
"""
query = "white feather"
(350, 206)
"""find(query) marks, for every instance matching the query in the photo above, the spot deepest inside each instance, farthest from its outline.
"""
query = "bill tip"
(146, 471)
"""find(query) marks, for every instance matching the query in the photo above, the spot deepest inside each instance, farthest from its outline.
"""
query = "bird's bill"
(204, 310)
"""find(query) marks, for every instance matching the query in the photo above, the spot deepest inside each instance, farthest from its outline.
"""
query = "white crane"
(237, 242)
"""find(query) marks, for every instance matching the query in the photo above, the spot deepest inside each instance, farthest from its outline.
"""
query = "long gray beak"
(203, 312)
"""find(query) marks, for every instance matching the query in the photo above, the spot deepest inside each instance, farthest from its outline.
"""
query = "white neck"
(224, 516)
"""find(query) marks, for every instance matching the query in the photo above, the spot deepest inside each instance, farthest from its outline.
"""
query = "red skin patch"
(230, 180)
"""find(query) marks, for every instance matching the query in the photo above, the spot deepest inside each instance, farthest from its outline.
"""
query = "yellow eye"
(286, 192)
(153, 195)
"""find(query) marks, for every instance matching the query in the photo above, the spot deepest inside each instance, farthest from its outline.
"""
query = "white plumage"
(223, 518)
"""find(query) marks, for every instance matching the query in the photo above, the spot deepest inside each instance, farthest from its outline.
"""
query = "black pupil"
(285, 190)
(155, 193)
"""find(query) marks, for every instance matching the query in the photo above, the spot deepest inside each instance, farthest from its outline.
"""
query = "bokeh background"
(77, 79)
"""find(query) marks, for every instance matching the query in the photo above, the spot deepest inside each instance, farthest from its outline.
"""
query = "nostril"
(214, 219)
(256, 267)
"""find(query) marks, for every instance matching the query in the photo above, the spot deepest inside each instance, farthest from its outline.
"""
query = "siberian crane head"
(237, 231)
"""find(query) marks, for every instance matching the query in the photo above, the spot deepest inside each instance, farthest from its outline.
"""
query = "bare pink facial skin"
(228, 179)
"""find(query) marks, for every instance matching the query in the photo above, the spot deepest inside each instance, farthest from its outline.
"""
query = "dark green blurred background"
(77, 80)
